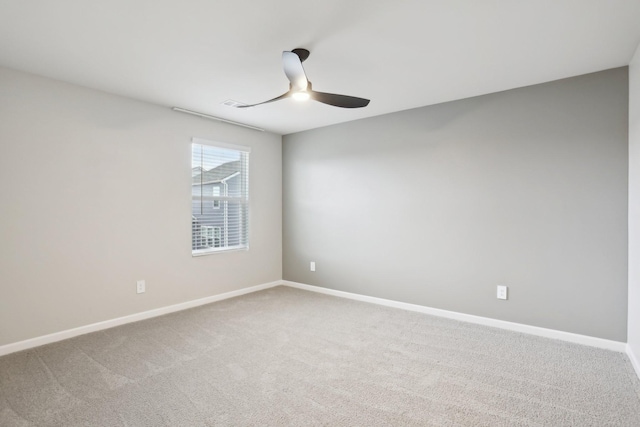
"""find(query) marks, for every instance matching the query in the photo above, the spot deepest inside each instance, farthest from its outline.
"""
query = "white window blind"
(220, 197)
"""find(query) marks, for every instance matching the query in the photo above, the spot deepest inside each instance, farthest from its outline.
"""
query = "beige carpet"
(290, 357)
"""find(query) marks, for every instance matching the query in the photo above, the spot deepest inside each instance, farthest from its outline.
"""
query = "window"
(216, 193)
(219, 197)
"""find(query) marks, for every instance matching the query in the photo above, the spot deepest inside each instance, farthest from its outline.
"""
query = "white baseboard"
(518, 327)
(511, 326)
(634, 360)
(70, 333)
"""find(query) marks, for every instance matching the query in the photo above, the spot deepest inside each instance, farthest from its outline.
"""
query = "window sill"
(203, 252)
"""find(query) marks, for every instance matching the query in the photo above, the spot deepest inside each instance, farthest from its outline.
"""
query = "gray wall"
(96, 194)
(634, 208)
(438, 205)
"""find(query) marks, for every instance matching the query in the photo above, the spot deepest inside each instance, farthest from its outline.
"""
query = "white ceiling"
(401, 54)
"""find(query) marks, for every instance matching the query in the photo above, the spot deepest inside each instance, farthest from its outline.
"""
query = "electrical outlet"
(502, 292)
(140, 286)
(312, 266)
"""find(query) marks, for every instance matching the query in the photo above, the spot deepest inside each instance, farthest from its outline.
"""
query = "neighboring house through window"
(220, 197)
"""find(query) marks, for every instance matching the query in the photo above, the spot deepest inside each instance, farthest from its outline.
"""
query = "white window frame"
(223, 200)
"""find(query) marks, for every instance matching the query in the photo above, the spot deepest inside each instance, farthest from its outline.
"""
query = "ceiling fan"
(300, 86)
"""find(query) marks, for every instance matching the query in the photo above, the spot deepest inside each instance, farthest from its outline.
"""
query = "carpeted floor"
(289, 357)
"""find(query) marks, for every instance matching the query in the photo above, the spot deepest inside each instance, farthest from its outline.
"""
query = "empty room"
(295, 213)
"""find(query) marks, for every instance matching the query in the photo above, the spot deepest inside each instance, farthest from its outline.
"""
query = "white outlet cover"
(140, 286)
(312, 266)
(502, 292)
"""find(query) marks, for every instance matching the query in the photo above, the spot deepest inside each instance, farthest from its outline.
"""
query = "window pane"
(220, 198)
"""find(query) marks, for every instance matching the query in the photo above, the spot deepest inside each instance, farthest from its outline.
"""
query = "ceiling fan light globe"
(300, 96)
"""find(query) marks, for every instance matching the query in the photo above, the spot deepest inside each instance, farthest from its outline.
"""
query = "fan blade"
(343, 101)
(294, 71)
(285, 95)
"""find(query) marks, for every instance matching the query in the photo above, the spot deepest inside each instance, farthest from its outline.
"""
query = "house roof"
(197, 170)
(216, 174)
